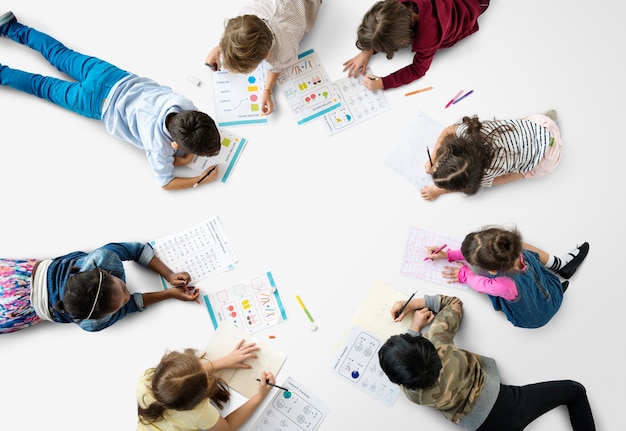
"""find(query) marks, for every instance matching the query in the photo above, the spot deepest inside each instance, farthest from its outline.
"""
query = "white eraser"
(313, 327)
(195, 81)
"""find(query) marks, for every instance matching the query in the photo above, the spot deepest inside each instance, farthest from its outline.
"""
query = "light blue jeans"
(93, 77)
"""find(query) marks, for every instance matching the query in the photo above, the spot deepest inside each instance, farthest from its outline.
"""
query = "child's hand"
(432, 192)
(213, 59)
(267, 105)
(264, 388)
(428, 167)
(358, 64)
(179, 279)
(240, 354)
(451, 273)
(443, 254)
(372, 82)
(184, 293)
(421, 318)
(397, 306)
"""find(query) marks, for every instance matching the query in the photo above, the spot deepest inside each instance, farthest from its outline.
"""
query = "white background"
(324, 214)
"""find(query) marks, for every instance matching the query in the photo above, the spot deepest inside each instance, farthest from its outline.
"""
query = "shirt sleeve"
(443, 328)
(455, 255)
(499, 286)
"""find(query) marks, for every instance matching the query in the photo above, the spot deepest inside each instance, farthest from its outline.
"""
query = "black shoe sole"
(568, 270)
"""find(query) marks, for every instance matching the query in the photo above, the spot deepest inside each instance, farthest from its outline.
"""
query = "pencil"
(399, 312)
(419, 91)
(276, 386)
(462, 97)
(204, 176)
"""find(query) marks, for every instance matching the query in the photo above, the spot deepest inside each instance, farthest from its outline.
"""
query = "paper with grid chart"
(200, 250)
(415, 250)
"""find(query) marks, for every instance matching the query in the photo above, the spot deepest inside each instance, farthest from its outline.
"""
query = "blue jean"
(518, 406)
(94, 77)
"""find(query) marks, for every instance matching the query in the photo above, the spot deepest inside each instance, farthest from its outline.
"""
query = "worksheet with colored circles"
(251, 305)
(307, 88)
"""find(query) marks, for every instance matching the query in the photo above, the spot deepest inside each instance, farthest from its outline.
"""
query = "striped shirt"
(517, 150)
(289, 21)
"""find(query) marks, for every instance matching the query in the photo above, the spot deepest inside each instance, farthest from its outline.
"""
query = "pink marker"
(452, 100)
(437, 251)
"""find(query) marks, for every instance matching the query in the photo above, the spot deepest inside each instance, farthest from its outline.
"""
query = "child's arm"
(213, 59)
(235, 359)
(432, 192)
(500, 286)
(358, 63)
(180, 183)
(239, 416)
(179, 281)
(267, 106)
(183, 160)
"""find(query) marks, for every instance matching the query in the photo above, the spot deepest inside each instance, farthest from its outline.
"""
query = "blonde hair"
(245, 43)
(180, 382)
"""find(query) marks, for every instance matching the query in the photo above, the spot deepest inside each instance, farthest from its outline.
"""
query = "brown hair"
(245, 43)
(492, 248)
(386, 27)
(461, 161)
(180, 382)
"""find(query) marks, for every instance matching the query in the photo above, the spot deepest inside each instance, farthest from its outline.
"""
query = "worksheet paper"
(232, 146)
(299, 410)
(356, 361)
(238, 95)
(243, 380)
(307, 88)
(251, 305)
(200, 250)
(358, 104)
(415, 251)
(409, 154)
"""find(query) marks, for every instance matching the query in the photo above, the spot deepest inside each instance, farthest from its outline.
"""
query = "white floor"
(325, 214)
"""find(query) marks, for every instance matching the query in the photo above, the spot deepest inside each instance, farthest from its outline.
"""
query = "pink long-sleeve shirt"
(502, 286)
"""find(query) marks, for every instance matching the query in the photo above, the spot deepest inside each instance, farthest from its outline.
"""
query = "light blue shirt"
(135, 112)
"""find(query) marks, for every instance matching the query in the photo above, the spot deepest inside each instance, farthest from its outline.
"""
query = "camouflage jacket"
(468, 384)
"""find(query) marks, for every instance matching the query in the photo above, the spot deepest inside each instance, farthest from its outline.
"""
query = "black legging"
(517, 406)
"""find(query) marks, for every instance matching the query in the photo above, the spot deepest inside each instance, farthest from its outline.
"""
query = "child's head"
(92, 294)
(386, 27)
(246, 42)
(492, 248)
(195, 133)
(460, 161)
(180, 382)
(410, 361)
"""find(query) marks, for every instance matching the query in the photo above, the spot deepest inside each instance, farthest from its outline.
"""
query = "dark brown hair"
(386, 27)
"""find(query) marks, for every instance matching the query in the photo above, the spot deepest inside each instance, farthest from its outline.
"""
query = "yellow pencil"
(419, 91)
